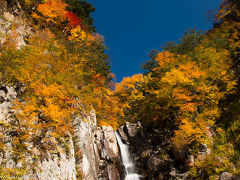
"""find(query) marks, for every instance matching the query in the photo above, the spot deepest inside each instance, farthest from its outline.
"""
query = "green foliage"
(223, 158)
(83, 9)
(29, 5)
(191, 39)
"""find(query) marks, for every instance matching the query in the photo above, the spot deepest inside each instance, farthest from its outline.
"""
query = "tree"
(82, 9)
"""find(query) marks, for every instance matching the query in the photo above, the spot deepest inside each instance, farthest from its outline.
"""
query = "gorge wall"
(91, 153)
(88, 152)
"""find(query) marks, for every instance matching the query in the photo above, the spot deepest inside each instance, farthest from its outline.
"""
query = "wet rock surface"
(152, 155)
(101, 156)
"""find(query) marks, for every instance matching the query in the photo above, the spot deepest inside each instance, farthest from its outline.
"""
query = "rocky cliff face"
(100, 156)
(90, 153)
(33, 160)
(14, 25)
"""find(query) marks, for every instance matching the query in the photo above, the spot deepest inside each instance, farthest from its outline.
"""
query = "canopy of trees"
(192, 89)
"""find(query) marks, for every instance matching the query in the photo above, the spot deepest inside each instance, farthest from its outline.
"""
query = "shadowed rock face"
(12, 4)
(151, 153)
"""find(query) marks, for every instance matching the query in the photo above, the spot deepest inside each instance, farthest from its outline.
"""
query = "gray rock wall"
(91, 153)
(99, 150)
(55, 164)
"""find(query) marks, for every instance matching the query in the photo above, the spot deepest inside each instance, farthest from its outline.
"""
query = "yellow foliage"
(82, 37)
(108, 109)
(129, 84)
(182, 94)
(54, 78)
(186, 87)
(190, 132)
(184, 74)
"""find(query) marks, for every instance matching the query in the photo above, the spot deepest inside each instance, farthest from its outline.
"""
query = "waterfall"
(127, 161)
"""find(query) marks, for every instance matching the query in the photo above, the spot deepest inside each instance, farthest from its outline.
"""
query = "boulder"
(180, 155)
(131, 132)
(154, 162)
(225, 176)
(190, 161)
(133, 129)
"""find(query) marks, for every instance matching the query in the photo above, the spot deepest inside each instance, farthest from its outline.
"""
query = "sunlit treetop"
(75, 12)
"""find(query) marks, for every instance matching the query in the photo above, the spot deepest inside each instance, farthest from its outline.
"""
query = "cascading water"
(127, 162)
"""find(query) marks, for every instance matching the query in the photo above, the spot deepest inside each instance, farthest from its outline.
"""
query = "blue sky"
(132, 28)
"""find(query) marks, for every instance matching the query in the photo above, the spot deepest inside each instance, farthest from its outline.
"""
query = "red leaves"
(55, 11)
(73, 19)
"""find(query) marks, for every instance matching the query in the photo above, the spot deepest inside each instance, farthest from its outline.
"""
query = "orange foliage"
(54, 78)
(53, 10)
(49, 107)
(165, 57)
(190, 132)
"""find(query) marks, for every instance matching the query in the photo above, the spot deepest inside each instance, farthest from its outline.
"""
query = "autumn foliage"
(190, 88)
(74, 21)
(62, 76)
(182, 89)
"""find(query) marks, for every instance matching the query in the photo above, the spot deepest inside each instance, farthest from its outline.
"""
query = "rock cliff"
(90, 153)
(14, 25)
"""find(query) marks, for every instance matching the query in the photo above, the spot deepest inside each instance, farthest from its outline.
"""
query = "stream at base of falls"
(126, 159)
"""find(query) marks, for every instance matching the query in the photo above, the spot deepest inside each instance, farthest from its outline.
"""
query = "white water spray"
(127, 161)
